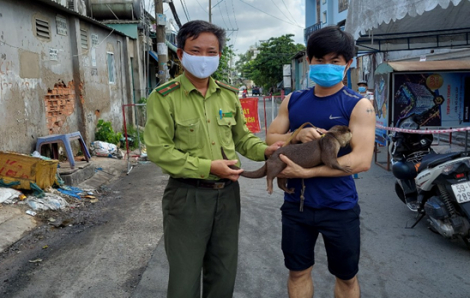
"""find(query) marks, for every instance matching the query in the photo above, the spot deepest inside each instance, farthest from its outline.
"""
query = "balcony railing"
(311, 29)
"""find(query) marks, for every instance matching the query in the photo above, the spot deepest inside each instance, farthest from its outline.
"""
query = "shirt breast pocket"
(188, 134)
(225, 129)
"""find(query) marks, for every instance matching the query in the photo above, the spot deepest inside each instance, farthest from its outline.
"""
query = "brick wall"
(60, 103)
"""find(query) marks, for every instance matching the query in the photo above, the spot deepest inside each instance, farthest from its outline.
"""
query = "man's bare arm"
(278, 130)
(362, 125)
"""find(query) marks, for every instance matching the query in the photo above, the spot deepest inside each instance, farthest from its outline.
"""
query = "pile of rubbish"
(33, 181)
(104, 149)
(62, 198)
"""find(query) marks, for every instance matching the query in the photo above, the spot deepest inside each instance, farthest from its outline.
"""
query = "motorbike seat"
(433, 159)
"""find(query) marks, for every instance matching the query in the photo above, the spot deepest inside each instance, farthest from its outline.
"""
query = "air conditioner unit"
(145, 40)
(61, 2)
(71, 5)
(77, 6)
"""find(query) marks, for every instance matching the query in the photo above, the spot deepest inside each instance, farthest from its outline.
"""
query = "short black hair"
(192, 29)
(329, 40)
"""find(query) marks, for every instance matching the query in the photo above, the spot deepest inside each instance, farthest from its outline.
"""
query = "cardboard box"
(25, 169)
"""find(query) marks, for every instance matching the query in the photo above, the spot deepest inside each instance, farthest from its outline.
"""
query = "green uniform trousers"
(201, 233)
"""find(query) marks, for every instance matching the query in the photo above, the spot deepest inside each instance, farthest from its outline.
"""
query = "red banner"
(250, 110)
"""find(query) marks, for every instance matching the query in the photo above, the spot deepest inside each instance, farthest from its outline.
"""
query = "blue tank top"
(324, 112)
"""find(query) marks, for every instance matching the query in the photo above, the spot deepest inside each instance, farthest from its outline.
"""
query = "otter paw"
(290, 190)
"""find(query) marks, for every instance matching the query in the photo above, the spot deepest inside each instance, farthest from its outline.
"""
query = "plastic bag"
(8, 195)
(100, 148)
(49, 201)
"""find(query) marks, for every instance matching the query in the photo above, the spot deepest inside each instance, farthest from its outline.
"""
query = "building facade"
(61, 71)
(319, 14)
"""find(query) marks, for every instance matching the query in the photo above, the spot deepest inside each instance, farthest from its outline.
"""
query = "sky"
(246, 21)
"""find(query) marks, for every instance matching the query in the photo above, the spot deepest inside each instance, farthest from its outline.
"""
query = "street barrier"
(423, 131)
(132, 105)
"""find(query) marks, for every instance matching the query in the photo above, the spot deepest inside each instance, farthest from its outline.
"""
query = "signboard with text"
(250, 111)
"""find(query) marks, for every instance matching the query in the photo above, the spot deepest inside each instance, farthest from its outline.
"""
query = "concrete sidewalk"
(15, 223)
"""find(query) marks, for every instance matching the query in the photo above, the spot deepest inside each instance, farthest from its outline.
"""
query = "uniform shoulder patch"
(227, 86)
(167, 88)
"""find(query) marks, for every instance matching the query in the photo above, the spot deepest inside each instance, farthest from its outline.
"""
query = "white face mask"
(200, 66)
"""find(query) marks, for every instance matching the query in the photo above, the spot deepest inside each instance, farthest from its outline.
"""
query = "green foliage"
(243, 59)
(132, 137)
(105, 133)
(266, 69)
(223, 72)
(143, 100)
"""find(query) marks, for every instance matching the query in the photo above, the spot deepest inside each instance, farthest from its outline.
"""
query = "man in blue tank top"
(331, 200)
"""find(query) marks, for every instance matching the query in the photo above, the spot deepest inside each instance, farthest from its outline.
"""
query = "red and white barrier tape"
(427, 131)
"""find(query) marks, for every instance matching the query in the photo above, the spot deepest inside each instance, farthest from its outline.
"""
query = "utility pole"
(162, 48)
(210, 12)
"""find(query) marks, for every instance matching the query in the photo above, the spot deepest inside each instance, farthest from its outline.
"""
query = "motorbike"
(436, 186)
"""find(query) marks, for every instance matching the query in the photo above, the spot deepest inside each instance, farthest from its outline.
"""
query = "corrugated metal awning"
(424, 66)
(396, 25)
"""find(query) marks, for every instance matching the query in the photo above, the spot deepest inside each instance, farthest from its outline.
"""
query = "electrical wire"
(235, 39)
(288, 10)
(184, 10)
(270, 14)
(218, 3)
(187, 10)
(226, 11)
(202, 7)
(175, 14)
(234, 16)
(223, 19)
(283, 13)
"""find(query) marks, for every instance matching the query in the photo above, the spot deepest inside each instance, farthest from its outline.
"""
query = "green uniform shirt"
(185, 131)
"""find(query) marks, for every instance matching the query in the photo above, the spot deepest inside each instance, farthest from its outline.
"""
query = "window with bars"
(43, 29)
(111, 68)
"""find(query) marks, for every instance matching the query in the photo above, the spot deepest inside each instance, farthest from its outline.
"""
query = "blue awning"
(154, 55)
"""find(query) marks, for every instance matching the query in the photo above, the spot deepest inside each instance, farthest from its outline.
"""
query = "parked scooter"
(434, 185)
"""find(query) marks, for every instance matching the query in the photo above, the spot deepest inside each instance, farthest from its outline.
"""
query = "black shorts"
(341, 235)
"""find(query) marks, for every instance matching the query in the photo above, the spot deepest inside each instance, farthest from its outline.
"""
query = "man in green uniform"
(188, 120)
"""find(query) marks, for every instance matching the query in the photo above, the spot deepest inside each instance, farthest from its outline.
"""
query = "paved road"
(395, 261)
(115, 249)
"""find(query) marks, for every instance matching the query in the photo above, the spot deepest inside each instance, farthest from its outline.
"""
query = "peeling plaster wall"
(100, 98)
(58, 84)
(26, 74)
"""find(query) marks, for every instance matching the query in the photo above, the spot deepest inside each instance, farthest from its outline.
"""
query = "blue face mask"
(326, 75)
(361, 89)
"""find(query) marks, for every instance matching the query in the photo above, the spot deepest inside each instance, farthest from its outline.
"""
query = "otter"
(307, 155)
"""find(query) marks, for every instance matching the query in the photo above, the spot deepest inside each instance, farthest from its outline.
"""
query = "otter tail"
(261, 172)
(224, 156)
